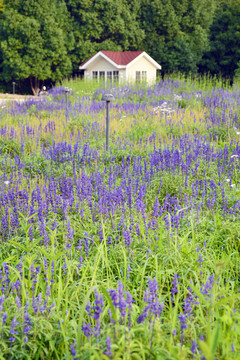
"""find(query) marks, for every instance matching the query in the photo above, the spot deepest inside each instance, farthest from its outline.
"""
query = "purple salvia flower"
(45, 264)
(86, 243)
(87, 330)
(188, 302)
(52, 272)
(174, 289)
(64, 267)
(194, 347)
(183, 320)
(200, 259)
(97, 309)
(18, 303)
(127, 238)
(2, 298)
(94, 312)
(12, 331)
(70, 232)
(100, 233)
(206, 289)
(73, 350)
(80, 262)
(108, 352)
(152, 308)
(4, 317)
(121, 299)
(48, 291)
(27, 325)
(79, 246)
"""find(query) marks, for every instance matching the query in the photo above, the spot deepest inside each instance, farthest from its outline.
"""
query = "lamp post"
(108, 98)
(67, 91)
(13, 87)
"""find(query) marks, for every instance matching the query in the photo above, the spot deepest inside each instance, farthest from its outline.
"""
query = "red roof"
(119, 57)
(122, 57)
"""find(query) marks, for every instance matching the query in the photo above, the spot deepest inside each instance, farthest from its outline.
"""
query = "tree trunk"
(34, 82)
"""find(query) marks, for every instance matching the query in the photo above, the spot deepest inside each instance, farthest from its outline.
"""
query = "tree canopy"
(223, 55)
(1, 6)
(177, 31)
(35, 41)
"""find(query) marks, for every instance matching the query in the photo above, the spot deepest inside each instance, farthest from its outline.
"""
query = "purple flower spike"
(152, 308)
(4, 317)
(183, 320)
(194, 347)
(94, 313)
(86, 328)
(121, 300)
(108, 352)
(12, 331)
(73, 350)
(174, 289)
(206, 289)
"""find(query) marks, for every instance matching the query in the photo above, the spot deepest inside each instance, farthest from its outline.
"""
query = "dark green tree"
(36, 39)
(177, 31)
(1, 6)
(104, 25)
(224, 53)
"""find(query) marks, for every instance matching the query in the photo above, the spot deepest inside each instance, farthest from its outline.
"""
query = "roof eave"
(84, 67)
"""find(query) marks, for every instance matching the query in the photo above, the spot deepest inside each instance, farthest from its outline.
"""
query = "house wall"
(142, 65)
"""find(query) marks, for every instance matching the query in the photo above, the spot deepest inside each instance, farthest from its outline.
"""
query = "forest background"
(44, 41)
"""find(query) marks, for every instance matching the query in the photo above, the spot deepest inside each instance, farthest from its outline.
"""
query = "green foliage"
(1, 6)
(10, 147)
(224, 53)
(36, 41)
(177, 32)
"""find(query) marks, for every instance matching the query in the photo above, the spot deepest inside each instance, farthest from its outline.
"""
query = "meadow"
(126, 254)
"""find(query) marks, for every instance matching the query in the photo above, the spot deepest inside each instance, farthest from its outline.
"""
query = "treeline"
(45, 40)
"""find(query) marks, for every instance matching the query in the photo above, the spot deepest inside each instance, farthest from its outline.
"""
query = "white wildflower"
(177, 97)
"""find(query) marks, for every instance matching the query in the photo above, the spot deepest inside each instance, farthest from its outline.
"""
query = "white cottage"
(121, 65)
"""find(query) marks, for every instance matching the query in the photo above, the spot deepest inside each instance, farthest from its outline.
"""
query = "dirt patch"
(7, 98)
(16, 96)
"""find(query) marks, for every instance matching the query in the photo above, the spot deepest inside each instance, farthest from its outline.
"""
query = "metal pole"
(107, 98)
(14, 87)
(107, 124)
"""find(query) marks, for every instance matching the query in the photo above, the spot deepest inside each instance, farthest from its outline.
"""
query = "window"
(144, 76)
(141, 76)
(109, 75)
(138, 76)
(102, 75)
(115, 76)
(94, 74)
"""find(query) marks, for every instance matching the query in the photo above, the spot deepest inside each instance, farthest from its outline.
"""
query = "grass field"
(126, 254)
